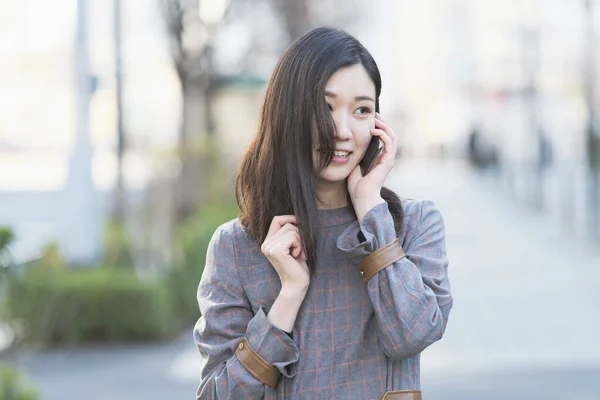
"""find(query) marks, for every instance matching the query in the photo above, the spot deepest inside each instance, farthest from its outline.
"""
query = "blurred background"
(121, 127)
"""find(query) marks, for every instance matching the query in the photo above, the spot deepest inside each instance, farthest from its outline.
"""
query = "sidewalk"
(132, 372)
(526, 317)
(525, 322)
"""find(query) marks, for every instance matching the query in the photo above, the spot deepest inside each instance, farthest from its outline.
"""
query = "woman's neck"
(332, 195)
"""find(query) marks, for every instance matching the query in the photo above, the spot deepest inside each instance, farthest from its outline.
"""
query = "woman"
(328, 285)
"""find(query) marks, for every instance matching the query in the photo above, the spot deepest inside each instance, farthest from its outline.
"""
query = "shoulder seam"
(236, 260)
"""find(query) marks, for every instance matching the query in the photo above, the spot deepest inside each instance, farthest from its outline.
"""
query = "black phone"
(370, 156)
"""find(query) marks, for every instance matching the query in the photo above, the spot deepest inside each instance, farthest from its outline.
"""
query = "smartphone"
(370, 156)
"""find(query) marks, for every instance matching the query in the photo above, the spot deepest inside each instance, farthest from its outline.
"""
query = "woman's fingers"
(379, 123)
(296, 251)
(388, 144)
(295, 244)
(285, 240)
(279, 221)
(289, 227)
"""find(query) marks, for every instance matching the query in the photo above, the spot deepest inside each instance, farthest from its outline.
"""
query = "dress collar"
(336, 216)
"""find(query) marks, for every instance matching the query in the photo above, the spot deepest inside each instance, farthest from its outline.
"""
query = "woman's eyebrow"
(357, 98)
(369, 98)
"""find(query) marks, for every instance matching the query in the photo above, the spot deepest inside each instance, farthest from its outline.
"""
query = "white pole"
(80, 209)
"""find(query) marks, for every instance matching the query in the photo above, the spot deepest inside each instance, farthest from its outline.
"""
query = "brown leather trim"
(402, 395)
(256, 365)
(380, 259)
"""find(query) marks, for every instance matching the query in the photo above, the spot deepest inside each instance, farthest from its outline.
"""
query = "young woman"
(328, 285)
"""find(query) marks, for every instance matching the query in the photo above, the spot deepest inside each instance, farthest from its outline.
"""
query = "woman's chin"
(333, 176)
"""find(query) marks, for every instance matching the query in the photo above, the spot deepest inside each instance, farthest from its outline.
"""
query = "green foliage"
(14, 387)
(52, 304)
(193, 240)
(52, 256)
(118, 249)
(7, 236)
(71, 306)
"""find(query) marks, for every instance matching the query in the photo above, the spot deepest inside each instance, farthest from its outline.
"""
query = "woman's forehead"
(350, 81)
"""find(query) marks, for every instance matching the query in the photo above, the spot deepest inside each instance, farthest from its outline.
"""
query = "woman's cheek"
(366, 137)
(363, 135)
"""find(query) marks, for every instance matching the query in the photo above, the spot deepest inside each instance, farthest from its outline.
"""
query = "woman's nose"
(342, 127)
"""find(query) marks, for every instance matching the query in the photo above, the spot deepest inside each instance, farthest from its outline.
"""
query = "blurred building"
(41, 117)
(528, 95)
(515, 75)
(58, 123)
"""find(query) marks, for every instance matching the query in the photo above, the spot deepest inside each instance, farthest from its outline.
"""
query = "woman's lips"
(340, 160)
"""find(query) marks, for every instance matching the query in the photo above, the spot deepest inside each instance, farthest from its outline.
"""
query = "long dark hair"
(276, 175)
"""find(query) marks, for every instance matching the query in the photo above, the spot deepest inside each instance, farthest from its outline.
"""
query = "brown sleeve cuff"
(380, 259)
(256, 365)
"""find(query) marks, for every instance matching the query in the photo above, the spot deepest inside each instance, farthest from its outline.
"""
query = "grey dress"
(351, 340)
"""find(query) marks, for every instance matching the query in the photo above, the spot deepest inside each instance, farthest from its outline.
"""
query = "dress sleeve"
(411, 298)
(229, 329)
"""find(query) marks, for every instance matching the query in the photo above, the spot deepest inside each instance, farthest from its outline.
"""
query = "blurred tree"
(119, 195)
(191, 26)
(592, 134)
(118, 230)
(299, 16)
(295, 15)
(191, 52)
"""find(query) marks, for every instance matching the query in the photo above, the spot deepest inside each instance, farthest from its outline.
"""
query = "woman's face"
(350, 94)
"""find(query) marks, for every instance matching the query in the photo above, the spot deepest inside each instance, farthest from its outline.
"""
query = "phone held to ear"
(370, 156)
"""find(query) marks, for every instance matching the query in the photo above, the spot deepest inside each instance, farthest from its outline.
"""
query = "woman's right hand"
(283, 248)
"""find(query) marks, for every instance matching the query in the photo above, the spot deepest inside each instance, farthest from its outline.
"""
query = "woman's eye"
(329, 106)
(364, 110)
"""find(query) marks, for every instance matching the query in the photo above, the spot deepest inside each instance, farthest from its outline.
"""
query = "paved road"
(526, 319)
(121, 373)
(525, 324)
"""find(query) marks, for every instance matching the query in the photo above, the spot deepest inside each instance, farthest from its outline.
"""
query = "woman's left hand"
(365, 191)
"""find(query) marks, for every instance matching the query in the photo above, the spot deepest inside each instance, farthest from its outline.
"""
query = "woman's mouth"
(341, 157)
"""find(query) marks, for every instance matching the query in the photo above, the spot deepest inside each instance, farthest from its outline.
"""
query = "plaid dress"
(351, 340)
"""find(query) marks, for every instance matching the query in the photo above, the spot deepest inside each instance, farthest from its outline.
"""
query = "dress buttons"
(241, 346)
(362, 273)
